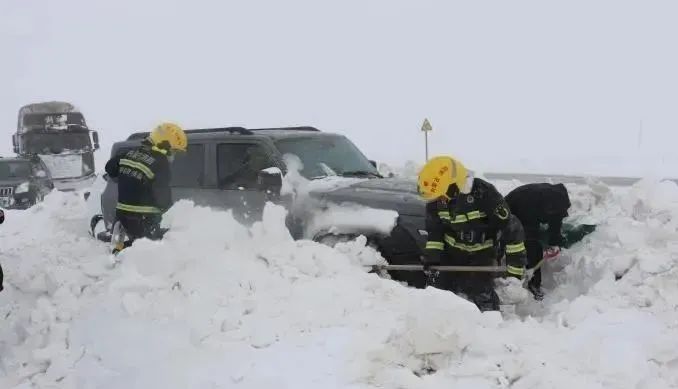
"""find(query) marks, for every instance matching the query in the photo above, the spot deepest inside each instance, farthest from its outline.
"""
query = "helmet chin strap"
(468, 184)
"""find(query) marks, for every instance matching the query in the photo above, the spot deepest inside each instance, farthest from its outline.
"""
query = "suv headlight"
(22, 188)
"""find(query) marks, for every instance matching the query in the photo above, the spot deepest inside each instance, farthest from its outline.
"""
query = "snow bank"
(341, 219)
(408, 170)
(216, 304)
(628, 165)
(325, 217)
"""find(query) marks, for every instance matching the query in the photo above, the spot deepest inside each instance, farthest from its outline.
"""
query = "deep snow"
(219, 305)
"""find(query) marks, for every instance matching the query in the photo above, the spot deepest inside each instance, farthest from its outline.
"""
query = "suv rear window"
(238, 164)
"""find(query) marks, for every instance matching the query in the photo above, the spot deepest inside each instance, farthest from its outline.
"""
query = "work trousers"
(477, 287)
(535, 253)
(139, 225)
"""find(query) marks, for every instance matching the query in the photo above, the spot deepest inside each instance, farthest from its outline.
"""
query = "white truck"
(56, 133)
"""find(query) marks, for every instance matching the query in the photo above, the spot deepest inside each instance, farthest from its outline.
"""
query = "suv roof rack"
(300, 128)
(239, 130)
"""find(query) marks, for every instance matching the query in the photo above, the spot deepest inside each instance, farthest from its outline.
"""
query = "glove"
(430, 259)
(2, 216)
(551, 252)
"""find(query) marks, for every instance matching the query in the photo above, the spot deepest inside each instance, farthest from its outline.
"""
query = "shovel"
(433, 271)
(485, 269)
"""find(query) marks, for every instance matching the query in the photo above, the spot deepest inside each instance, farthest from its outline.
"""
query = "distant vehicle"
(24, 182)
(241, 169)
(56, 132)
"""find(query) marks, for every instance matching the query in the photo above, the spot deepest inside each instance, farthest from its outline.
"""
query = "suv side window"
(188, 169)
(238, 164)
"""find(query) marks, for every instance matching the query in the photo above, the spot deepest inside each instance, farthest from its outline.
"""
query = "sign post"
(426, 128)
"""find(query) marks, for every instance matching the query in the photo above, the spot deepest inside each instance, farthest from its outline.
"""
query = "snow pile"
(300, 188)
(325, 217)
(226, 308)
(630, 163)
(216, 304)
(350, 219)
(408, 170)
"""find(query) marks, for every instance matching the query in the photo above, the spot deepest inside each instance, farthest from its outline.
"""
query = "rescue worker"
(536, 204)
(464, 218)
(143, 176)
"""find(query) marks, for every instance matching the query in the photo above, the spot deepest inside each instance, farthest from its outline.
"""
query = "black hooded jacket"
(539, 203)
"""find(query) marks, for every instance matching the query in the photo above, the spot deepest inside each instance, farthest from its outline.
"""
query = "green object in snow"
(572, 233)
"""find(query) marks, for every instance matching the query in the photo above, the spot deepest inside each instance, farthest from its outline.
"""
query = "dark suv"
(23, 182)
(241, 169)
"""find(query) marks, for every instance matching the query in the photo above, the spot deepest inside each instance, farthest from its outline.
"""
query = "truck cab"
(57, 133)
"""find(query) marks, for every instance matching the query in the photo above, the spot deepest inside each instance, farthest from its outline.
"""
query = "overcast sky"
(500, 80)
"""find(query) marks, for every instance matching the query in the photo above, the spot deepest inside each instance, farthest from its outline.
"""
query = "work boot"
(487, 301)
(118, 248)
(117, 238)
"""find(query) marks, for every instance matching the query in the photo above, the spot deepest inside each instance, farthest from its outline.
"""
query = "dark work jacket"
(476, 223)
(143, 176)
(540, 203)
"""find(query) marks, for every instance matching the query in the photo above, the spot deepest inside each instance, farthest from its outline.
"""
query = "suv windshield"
(328, 155)
(55, 143)
(14, 169)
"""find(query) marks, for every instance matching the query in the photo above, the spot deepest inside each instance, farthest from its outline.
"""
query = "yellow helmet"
(171, 133)
(438, 174)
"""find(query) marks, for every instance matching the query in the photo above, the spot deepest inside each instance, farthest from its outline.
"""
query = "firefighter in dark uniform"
(143, 176)
(536, 204)
(467, 221)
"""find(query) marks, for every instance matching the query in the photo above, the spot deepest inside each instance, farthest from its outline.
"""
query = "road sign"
(426, 127)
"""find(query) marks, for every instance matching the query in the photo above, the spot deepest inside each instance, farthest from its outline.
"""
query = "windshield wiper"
(360, 173)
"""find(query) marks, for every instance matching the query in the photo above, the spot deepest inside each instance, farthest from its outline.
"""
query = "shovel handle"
(488, 269)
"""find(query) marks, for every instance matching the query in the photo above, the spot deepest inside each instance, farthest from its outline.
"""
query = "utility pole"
(426, 128)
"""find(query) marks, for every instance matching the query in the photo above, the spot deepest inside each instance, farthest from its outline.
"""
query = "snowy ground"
(217, 305)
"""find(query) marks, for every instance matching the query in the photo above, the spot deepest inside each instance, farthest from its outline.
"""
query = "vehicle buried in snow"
(242, 169)
(56, 132)
(24, 182)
